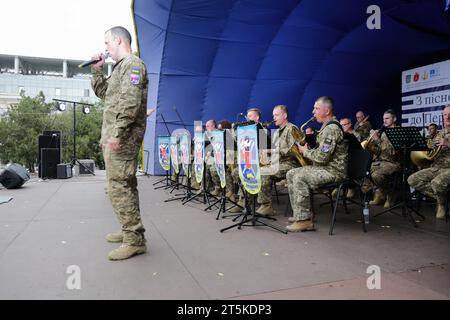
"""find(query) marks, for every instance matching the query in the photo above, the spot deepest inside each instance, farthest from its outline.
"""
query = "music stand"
(406, 139)
(250, 218)
(223, 199)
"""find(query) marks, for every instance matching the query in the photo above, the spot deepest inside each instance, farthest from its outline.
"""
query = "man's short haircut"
(391, 112)
(213, 121)
(120, 32)
(346, 119)
(283, 108)
(255, 110)
(225, 124)
(433, 125)
(326, 100)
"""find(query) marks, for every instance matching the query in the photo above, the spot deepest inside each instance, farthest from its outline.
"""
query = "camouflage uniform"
(329, 165)
(125, 117)
(358, 135)
(387, 162)
(363, 130)
(435, 181)
(282, 160)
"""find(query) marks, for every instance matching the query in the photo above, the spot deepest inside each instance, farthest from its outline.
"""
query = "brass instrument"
(366, 142)
(300, 139)
(423, 159)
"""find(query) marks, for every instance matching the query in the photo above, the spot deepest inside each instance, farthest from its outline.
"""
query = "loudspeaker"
(49, 162)
(89, 164)
(49, 139)
(14, 176)
(63, 171)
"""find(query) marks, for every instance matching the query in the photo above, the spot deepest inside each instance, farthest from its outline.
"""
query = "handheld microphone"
(88, 63)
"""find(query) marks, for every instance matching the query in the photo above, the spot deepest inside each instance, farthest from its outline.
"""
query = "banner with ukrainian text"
(174, 157)
(219, 155)
(248, 162)
(185, 148)
(164, 154)
(425, 93)
(199, 155)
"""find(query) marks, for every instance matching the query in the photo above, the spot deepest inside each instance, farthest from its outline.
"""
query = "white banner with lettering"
(425, 93)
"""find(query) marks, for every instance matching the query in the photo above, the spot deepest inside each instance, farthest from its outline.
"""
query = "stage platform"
(51, 225)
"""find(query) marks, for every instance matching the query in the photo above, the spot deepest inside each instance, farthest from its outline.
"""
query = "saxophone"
(300, 139)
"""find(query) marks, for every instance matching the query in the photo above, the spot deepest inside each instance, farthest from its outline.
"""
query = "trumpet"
(300, 139)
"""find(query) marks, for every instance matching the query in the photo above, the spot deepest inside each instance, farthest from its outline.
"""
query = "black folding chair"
(358, 168)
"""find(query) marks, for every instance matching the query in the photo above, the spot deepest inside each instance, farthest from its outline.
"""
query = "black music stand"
(223, 199)
(250, 218)
(406, 139)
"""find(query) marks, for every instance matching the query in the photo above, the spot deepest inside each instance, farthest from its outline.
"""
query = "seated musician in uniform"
(282, 158)
(387, 161)
(329, 164)
(435, 181)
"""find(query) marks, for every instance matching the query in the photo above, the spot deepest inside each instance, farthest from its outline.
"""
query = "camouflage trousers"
(300, 182)
(216, 179)
(433, 182)
(381, 173)
(267, 174)
(121, 183)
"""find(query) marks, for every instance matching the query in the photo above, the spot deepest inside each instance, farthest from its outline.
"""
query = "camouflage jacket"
(283, 140)
(332, 151)
(384, 150)
(124, 94)
(363, 130)
(442, 159)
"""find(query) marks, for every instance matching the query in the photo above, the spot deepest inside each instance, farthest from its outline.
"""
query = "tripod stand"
(406, 139)
(86, 110)
(252, 219)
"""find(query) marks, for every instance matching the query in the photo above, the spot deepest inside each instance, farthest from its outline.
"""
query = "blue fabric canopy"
(212, 59)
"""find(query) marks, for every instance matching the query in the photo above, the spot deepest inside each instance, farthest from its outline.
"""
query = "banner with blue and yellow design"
(248, 162)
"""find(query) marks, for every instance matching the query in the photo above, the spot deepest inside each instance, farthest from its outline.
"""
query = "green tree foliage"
(21, 125)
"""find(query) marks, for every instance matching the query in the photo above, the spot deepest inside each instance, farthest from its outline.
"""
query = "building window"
(21, 89)
(57, 91)
(86, 92)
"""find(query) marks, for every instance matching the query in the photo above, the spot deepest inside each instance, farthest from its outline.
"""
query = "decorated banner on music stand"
(219, 154)
(199, 155)
(185, 147)
(164, 153)
(248, 162)
(174, 154)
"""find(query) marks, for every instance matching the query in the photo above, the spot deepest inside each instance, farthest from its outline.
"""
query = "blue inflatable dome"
(213, 59)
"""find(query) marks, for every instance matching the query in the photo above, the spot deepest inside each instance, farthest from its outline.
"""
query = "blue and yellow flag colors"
(164, 154)
(248, 162)
(174, 157)
(185, 150)
(199, 156)
(217, 142)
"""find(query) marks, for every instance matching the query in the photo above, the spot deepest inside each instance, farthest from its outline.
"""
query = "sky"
(61, 28)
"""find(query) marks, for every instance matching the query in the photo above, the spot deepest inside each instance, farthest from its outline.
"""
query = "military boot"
(237, 209)
(389, 201)
(440, 211)
(126, 251)
(115, 237)
(230, 195)
(350, 193)
(379, 198)
(216, 192)
(265, 209)
(304, 225)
